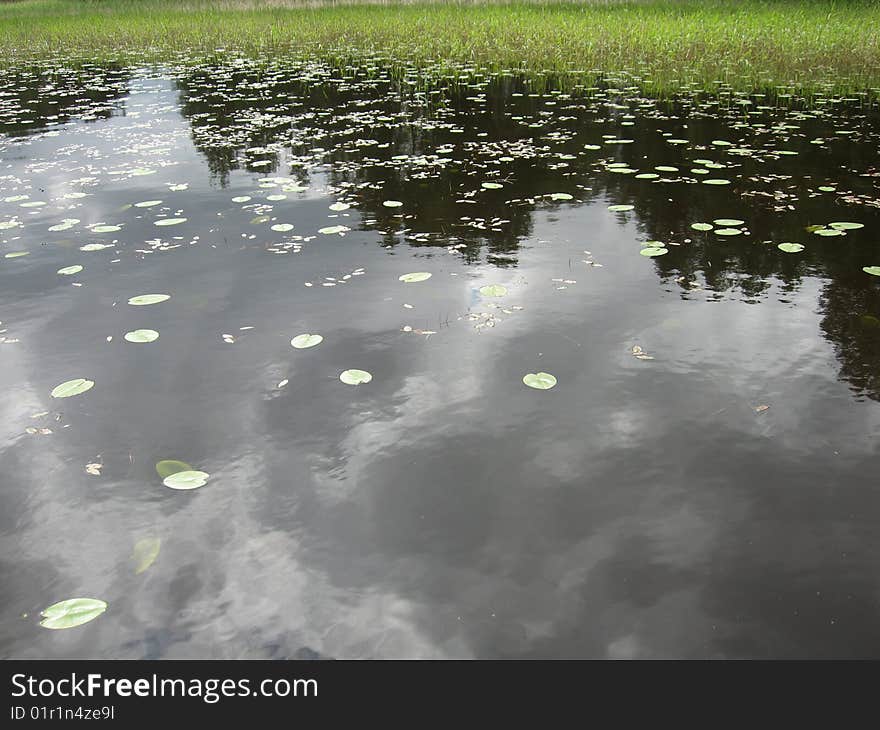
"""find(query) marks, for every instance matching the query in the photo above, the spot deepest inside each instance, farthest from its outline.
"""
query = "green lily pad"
(540, 381)
(170, 221)
(491, 186)
(301, 342)
(147, 203)
(72, 387)
(728, 222)
(282, 227)
(392, 203)
(167, 467)
(143, 299)
(355, 377)
(701, 226)
(654, 251)
(493, 290)
(70, 270)
(728, 232)
(414, 277)
(72, 612)
(142, 336)
(716, 181)
(145, 553)
(846, 226)
(620, 208)
(872, 270)
(791, 247)
(185, 480)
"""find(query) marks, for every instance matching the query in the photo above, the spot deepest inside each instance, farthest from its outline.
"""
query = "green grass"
(747, 43)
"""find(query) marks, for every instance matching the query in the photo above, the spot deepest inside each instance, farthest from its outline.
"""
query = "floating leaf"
(355, 377)
(145, 553)
(414, 277)
(170, 221)
(829, 232)
(147, 203)
(167, 467)
(654, 251)
(72, 612)
(493, 290)
(105, 229)
(561, 196)
(241, 199)
(72, 387)
(728, 222)
(791, 247)
(716, 181)
(846, 226)
(333, 229)
(282, 227)
(95, 247)
(16, 254)
(541, 381)
(301, 342)
(70, 270)
(728, 232)
(392, 203)
(620, 208)
(142, 336)
(144, 299)
(701, 226)
(339, 207)
(872, 270)
(190, 479)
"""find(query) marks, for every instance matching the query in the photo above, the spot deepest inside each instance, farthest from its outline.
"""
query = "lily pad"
(620, 208)
(141, 336)
(716, 181)
(791, 247)
(392, 203)
(493, 290)
(727, 222)
(185, 480)
(414, 277)
(72, 387)
(170, 221)
(701, 226)
(846, 226)
(872, 270)
(491, 186)
(728, 232)
(355, 377)
(71, 612)
(143, 299)
(282, 227)
(70, 270)
(654, 251)
(147, 203)
(145, 553)
(167, 467)
(541, 381)
(302, 342)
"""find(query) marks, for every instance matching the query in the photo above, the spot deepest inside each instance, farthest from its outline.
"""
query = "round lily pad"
(71, 612)
(355, 377)
(302, 342)
(540, 381)
(72, 387)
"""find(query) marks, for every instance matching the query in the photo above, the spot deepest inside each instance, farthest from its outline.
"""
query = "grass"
(748, 44)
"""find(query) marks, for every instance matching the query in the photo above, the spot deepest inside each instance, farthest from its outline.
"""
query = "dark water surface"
(718, 500)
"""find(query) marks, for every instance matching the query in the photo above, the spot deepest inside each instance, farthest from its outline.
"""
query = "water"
(717, 500)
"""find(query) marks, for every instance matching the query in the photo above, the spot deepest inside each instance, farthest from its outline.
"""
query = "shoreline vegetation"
(804, 46)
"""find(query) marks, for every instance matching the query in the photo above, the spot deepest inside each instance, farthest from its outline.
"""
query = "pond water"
(699, 482)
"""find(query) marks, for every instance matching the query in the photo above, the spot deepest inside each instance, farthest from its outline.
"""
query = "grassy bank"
(746, 43)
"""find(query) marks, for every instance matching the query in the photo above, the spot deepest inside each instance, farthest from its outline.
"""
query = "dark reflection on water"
(641, 508)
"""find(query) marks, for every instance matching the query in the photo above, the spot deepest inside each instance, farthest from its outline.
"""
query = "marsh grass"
(749, 44)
